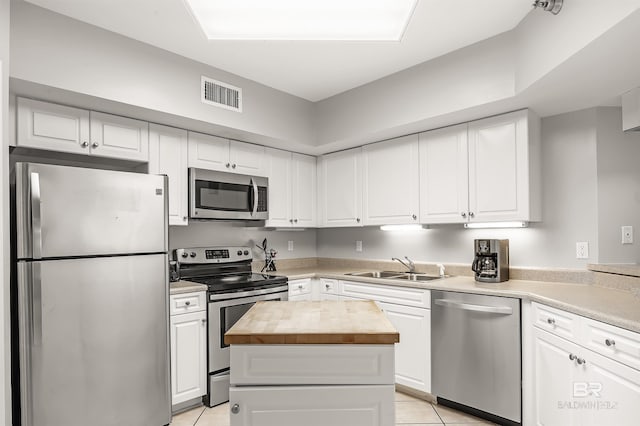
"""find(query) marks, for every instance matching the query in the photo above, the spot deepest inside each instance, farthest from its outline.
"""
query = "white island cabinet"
(319, 363)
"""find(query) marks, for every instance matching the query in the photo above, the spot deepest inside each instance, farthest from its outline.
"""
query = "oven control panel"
(213, 254)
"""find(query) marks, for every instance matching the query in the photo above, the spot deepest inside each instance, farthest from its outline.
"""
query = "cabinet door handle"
(95, 145)
(414, 217)
(84, 144)
(187, 303)
(204, 320)
(295, 220)
(233, 166)
(471, 214)
(610, 342)
(327, 286)
(227, 165)
(235, 409)
(572, 357)
(358, 220)
(463, 214)
(184, 218)
(581, 361)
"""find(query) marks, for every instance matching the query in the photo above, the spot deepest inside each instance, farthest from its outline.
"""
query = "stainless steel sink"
(417, 277)
(376, 274)
(394, 275)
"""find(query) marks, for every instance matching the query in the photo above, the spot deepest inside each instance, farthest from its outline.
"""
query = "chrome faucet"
(410, 266)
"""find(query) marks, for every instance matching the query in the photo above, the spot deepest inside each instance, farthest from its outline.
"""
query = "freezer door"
(94, 341)
(72, 211)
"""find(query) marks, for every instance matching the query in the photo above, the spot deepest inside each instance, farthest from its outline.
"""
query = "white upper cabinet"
(444, 175)
(55, 127)
(484, 171)
(391, 181)
(504, 168)
(168, 155)
(215, 153)
(119, 137)
(303, 171)
(280, 184)
(292, 189)
(340, 188)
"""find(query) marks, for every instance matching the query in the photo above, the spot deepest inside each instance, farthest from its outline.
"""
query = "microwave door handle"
(255, 197)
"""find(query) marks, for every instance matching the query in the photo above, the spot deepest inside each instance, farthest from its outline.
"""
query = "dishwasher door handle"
(504, 310)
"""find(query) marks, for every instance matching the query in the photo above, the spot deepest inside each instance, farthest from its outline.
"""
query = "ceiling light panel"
(357, 20)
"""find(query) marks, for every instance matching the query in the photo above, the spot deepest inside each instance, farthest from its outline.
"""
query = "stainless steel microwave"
(230, 196)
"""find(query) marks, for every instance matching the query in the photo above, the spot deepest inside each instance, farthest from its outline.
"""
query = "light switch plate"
(290, 246)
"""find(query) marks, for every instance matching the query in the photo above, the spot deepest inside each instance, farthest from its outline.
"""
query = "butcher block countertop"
(319, 322)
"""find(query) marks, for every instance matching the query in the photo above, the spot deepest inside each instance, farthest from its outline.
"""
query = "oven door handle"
(255, 197)
(264, 291)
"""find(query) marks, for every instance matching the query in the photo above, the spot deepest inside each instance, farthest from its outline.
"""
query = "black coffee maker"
(491, 262)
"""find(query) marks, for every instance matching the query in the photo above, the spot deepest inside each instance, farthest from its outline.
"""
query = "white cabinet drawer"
(400, 295)
(556, 321)
(299, 287)
(329, 286)
(312, 364)
(613, 342)
(369, 405)
(187, 302)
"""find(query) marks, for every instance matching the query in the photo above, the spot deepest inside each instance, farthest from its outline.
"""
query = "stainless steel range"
(233, 289)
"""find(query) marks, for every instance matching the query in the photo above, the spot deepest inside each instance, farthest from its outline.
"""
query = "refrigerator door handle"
(36, 218)
(36, 304)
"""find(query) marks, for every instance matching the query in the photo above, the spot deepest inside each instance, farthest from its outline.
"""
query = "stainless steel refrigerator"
(92, 297)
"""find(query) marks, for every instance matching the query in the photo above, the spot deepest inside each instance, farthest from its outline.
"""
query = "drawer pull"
(187, 303)
(235, 409)
(300, 286)
(581, 361)
(610, 342)
(551, 321)
(327, 286)
(572, 357)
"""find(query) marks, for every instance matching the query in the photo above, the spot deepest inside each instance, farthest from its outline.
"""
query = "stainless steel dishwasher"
(476, 354)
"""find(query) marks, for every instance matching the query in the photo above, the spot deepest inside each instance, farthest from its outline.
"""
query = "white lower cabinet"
(300, 289)
(188, 353)
(407, 309)
(574, 385)
(413, 354)
(368, 405)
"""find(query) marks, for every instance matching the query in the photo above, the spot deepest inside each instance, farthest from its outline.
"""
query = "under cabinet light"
(477, 225)
(407, 227)
(362, 20)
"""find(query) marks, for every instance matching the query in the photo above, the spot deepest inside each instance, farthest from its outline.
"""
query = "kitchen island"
(312, 363)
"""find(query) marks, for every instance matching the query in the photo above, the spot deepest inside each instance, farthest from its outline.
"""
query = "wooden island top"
(320, 322)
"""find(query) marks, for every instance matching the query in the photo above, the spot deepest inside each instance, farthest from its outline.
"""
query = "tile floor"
(409, 411)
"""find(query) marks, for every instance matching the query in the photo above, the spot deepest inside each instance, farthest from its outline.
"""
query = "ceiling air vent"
(221, 94)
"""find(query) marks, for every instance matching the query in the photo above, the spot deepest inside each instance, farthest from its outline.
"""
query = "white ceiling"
(312, 70)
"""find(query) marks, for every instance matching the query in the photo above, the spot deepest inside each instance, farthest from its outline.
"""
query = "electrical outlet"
(627, 234)
(290, 246)
(582, 250)
(358, 245)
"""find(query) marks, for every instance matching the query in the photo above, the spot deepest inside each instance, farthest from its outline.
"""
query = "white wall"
(492, 77)
(199, 234)
(569, 212)
(5, 340)
(56, 51)
(618, 188)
